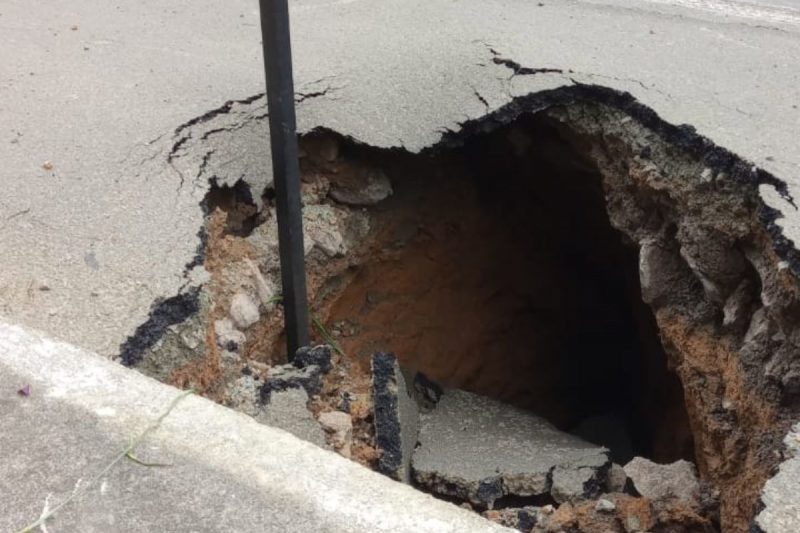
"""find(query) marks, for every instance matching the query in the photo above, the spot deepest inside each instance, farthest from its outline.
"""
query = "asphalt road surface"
(95, 225)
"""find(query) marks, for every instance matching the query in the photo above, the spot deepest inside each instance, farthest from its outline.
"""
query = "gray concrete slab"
(477, 449)
(223, 470)
(96, 224)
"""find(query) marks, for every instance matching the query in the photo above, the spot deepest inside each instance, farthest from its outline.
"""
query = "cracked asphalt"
(102, 108)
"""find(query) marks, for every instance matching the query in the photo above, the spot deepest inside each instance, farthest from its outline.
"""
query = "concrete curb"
(227, 472)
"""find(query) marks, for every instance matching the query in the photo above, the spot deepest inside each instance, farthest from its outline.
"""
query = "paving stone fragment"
(396, 418)
(663, 483)
(477, 449)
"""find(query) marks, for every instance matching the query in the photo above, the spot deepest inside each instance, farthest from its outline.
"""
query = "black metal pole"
(285, 168)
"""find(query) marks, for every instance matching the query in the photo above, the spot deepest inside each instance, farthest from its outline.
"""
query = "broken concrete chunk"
(321, 230)
(287, 410)
(573, 484)
(477, 449)
(367, 188)
(287, 377)
(340, 427)
(662, 483)
(244, 310)
(317, 355)
(396, 418)
(266, 292)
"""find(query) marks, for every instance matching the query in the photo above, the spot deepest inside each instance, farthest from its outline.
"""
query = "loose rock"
(288, 411)
(617, 479)
(665, 483)
(228, 337)
(340, 427)
(244, 310)
(372, 187)
(605, 506)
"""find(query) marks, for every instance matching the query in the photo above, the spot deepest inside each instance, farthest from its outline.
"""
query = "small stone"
(321, 230)
(373, 187)
(340, 427)
(632, 524)
(548, 509)
(228, 337)
(244, 310)
(664, 483)
(604, 506)
(617, 479)
(266, 292)
(47, 165)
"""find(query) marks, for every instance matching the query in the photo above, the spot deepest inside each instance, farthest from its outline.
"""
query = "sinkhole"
(583, 260)
(495, 269)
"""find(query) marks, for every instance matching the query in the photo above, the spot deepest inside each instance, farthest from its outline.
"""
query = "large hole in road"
(587, 262)
(494, 269)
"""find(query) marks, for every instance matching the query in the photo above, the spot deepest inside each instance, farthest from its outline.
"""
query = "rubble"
(480, 450)
(396, 417)
(305, 372)
(368, 188)
(228, 337)
(317, 355)
(664, 483)
(339, 426)
(287, 410)
(244, 310)
(617, 479)
(522, 518)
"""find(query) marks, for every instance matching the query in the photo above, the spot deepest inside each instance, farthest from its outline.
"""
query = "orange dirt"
(727, 454)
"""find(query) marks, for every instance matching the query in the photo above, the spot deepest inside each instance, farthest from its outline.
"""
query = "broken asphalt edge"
(684, 137)
(80, 401)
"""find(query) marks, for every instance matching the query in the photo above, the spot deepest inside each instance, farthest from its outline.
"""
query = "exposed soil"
(575, 263)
